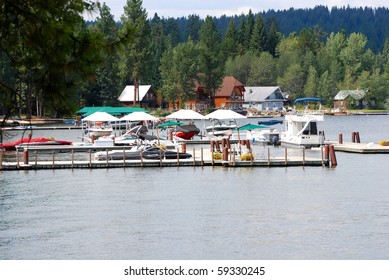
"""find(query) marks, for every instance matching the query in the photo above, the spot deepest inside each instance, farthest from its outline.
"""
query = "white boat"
(301, 130)
(221, 128)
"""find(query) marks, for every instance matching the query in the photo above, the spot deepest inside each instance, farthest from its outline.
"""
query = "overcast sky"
(178, 8)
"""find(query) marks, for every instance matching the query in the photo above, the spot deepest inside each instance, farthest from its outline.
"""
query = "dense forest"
(52, 62)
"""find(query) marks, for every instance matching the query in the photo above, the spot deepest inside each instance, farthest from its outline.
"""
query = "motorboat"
(221, 128)
(32, 142)
(301, 130)
(141, 152)
(186, 131)
(257, 134)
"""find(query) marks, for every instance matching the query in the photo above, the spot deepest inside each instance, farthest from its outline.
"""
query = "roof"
(257, 94)
(127, 94)
(355, 94)
(228, 85)
(115, 111)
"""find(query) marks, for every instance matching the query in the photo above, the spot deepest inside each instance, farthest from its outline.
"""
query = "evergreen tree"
(212, 65)
(241, 36)
(248, 30)
(136, 55)
(107, 75)
(258, 38)
(192, 28)
(229, 41)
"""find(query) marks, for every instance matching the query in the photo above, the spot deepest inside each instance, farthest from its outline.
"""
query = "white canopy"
(186, 115)
(223, 114)
(139, 116)
(100, 117)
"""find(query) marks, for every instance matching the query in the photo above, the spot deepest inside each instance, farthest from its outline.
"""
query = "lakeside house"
(147, 96)
(264, 98)
(349, 99)
(230, 95)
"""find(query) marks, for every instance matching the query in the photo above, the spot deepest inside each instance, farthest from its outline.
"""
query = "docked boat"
(137, 153)
(301, 130)
(186, 131)
(32, 142)
(221, 128)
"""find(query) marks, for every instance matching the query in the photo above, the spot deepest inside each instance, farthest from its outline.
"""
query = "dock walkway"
(361, 148)
(202, 157)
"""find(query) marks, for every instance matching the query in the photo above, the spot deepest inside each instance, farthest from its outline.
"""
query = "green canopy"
(251, 126)
(169, 124)
(115, 111)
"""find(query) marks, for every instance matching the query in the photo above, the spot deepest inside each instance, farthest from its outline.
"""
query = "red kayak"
(11, 146)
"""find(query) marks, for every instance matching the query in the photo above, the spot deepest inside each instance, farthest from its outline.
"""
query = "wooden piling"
(53, 159)
(333, 156)
(286, 156)
(1, 159)
(357, 139)
(72, 160)
(25, 156)
(353, 137)
(303, 156)
(194, 156)
(340, 138)
(326, 152)
(202, 156)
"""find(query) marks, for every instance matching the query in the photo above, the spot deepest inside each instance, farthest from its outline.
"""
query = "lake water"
(204, 212)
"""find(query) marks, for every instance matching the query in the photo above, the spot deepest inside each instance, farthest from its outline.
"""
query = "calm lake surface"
(204, 212)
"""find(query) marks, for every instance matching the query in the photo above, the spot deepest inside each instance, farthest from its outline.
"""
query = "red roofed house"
(230, 95)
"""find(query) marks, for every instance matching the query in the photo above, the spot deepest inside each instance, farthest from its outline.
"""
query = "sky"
(217, 8)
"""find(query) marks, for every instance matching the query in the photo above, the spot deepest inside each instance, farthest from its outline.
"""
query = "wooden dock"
(360, 148)
(200, 157)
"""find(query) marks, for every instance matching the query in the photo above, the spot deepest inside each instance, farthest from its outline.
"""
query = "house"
(263, 98)
(230, 95)
(347, 99)
(147, 97)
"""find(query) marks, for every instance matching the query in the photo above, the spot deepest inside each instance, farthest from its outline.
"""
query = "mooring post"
(340, 138)
(353, 137)
(357, 139)
(202, 156)
(333, 156)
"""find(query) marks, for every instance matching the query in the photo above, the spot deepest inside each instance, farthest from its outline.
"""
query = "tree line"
(53, 62)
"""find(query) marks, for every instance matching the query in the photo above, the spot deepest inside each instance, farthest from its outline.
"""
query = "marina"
(192, 212)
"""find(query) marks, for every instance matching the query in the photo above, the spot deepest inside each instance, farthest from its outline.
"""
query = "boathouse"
(350, 99)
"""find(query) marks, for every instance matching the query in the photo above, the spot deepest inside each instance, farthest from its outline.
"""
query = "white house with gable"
(147, 97)
(263, 98)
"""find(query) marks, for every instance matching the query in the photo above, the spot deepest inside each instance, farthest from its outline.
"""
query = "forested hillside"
(52, 62)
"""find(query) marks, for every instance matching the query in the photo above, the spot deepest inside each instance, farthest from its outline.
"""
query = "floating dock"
(73, 158)
(360, 148)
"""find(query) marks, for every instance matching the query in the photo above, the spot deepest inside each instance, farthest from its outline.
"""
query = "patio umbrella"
(186, 115)
(251, 126)
(139, 116)
(223, 114)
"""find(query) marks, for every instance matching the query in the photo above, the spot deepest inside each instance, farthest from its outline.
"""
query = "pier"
(38, 158)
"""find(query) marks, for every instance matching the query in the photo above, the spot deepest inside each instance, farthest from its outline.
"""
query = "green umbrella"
(169, 124)
(251, 126)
